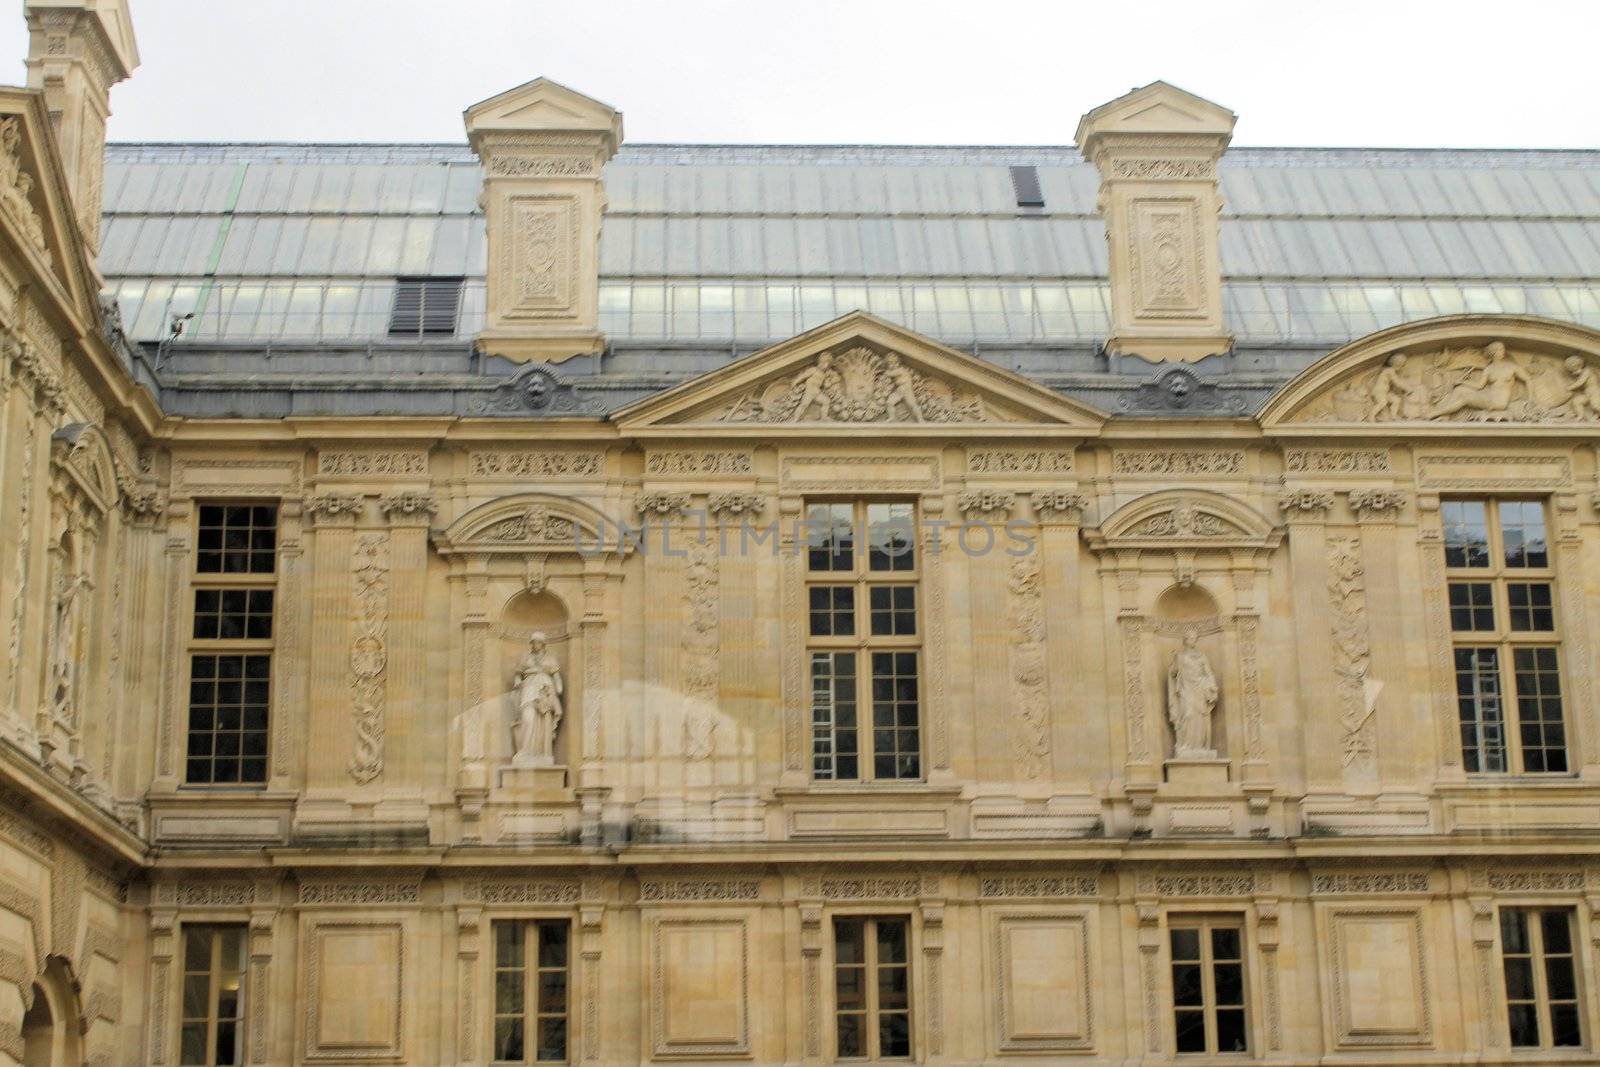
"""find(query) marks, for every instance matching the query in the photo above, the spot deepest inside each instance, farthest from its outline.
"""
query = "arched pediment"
(523, 522)
(82, 453)
(1184, 518)
(1439, 376)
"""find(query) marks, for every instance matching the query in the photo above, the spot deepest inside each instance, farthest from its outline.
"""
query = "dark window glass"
(834, 742)
(530, 991)
(1539, 720)
(228, 701)
(830, 537)
(237, 539)
(872, 988)
(1540, 970)
(233, 614)
(896, 745)
(833, 610)
(1208, 991)
(1532, 607)
(1472, 606)
(213, 996)
(1481, 712)
(894, 610)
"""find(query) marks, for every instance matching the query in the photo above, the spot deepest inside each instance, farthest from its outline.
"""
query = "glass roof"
(747, 243)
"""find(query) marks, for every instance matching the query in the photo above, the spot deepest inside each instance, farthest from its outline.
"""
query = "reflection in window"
(212, 1032)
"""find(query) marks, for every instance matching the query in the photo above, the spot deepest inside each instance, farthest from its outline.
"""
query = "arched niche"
(523, 561)
(52, 1028)
(1181, 561)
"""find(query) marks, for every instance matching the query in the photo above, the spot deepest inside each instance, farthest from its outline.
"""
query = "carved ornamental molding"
(1178, 518)
(530, 522)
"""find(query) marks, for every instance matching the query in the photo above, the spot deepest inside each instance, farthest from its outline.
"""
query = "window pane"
(1479, 707)
(1539, 714)
(894, 1034)
(1230, 1031)
(1565, 1031)
(892, 537)
(1186, 985)
(849, 1027)
(1531, 606)
(833, 716)
(1191, 1033)
(1466, 533)
(1471, 606)
(833, 610)
(1225, 943)
(1185, 944)
(508, 1039)
(236, 539)
(894, 610)
(552, 1040)
(1556, 926)
(1524, 1021)
(552, 944)
(896, 737)
(891, 942)
(1522, 531)
(830, 537)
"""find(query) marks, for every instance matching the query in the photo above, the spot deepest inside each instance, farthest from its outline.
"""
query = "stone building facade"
(515, 680)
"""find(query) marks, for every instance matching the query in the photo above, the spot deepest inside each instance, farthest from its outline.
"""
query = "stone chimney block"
(542, 147)
(1157, 150)
(77, 50)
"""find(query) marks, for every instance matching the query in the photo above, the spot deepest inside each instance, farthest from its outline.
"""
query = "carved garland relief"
(1352, 655)
(369, 654)
(701, 641)
(1030, 732)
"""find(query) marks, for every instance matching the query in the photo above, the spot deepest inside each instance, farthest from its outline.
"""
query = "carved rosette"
(408, 506)
(325, 506)
(369, 654)
(659, 505)
(723, 506)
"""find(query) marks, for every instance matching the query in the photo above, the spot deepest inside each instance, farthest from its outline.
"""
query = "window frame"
(244, 647)
(1534, 911)
(1205, 922)
(1504, 640)
(871, 1010)
(215, 975)
(530, 1012)
(862, 643)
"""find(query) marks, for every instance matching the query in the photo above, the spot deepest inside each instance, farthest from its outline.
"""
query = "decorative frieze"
(1500, 880)
(1179, 461)
(1013, 886)
(391, 463)
(703, 890)
(1018, 461)
(1217, 884)
(334, 505)
(360, 893)
(868, 888)
(1369, 882)
(496, 891)
(691, 463)
(858, 384)
(506, 463)
(1336, 460)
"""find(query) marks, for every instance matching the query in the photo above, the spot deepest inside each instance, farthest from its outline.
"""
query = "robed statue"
(539, 710)
(1191, 698)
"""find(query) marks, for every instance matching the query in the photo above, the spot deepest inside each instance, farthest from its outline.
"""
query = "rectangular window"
(872, 988)
(425, 306)
(865, 641)
(213, 996)
(230, 643)
(1501, 593)
(1208, 986)
(530, 991)
(1542, 1005)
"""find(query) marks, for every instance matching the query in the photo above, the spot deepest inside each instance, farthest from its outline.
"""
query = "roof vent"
(424, 306)
(1025, 180)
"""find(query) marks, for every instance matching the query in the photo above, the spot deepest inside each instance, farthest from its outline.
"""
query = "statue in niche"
(1191, 698)
(64, 645)
(539, 710)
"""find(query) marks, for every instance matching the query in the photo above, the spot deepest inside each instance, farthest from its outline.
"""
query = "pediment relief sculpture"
(856, 385)
(1489, 383)
(525, 521)
(16, 184)
(1176, 518)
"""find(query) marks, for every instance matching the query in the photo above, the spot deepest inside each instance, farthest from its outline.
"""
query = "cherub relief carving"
(1487, 384)
(859, 384)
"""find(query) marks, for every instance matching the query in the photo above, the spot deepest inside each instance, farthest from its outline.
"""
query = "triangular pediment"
(1157, 108)
(543, 105)
(35, 207)
(863, 376)
(1483, 374)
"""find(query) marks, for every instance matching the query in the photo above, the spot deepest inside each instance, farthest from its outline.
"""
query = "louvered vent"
(425, 306)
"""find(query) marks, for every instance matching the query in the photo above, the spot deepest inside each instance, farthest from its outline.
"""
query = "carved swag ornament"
(859, 384)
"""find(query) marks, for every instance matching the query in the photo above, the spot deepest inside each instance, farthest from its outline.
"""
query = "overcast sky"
(1472, 73)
